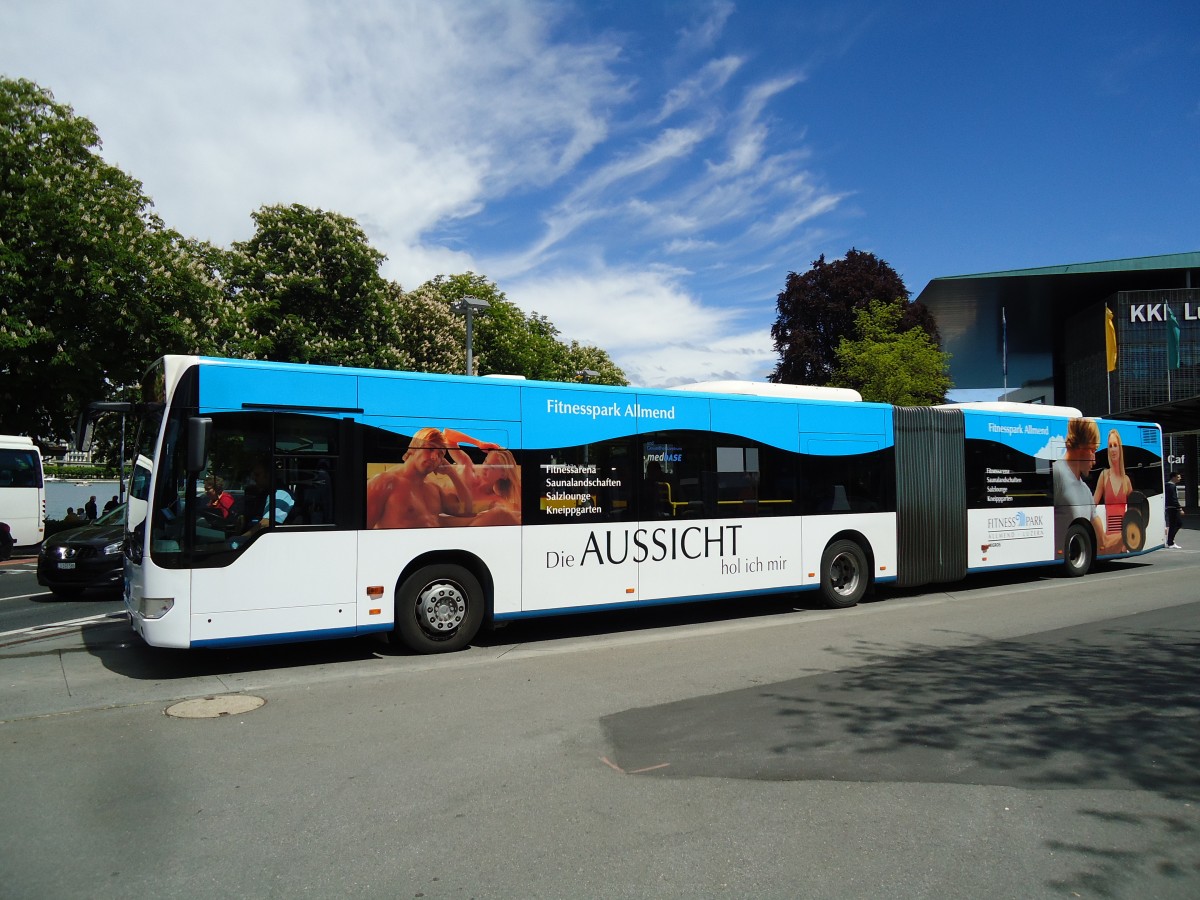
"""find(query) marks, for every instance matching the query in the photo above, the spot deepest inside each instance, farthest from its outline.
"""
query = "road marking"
(26, 596)
(70, 623)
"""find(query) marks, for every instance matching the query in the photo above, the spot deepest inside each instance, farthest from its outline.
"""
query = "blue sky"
(647, 173)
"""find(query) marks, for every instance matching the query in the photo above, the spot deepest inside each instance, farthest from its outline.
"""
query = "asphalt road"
(26, 604)
(1011, 736)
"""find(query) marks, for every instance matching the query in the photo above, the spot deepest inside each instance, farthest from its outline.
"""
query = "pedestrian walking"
(1174, 511)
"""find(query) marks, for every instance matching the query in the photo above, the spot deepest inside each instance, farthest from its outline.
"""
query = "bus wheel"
(439, 609)
(1077, 551)
(843, 574)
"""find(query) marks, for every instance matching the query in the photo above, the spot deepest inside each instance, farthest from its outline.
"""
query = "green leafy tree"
(816, 310)
(508, 341)
(585, 358)
(890, 365)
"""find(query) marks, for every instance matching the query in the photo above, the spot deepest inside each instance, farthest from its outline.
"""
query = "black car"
(84, 557)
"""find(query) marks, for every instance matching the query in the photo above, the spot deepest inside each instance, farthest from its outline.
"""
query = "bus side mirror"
(199, 432)
(88, 416)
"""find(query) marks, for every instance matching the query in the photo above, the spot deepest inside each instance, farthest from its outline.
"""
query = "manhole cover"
(215, 707)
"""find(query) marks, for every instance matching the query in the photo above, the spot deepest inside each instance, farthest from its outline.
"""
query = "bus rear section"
(982, 487)
(22, 491)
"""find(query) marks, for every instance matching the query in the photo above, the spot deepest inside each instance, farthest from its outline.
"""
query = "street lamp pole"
(470, 307)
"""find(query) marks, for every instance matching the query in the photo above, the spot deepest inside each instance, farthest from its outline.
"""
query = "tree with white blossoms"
(93, 286)
(308, 282)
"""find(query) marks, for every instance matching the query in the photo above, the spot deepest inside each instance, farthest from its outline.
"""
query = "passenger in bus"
(427, 490)
(656, 493)
(267, 498)
(219, 503)
(1113, 490)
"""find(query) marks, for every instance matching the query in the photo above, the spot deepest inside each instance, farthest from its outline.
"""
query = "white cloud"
(711, 78)
(704, 33)
(650, 326)
(394, 112)
(690, 245)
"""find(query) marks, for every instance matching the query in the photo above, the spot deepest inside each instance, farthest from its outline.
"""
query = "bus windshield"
(22, 493)
(263, 472)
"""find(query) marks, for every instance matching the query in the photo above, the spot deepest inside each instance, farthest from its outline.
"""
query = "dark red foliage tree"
(816, 310)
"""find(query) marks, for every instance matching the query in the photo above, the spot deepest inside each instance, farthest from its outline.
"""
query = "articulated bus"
(276, 502)
(22, 491)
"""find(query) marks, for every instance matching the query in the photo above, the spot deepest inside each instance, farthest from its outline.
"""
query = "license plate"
(64, 565)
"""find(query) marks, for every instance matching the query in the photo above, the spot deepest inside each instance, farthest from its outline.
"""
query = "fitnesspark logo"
(1016, 521)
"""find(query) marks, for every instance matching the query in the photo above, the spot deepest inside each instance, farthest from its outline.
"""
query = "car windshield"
(114, 516)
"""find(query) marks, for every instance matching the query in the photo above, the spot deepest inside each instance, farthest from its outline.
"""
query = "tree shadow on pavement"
(1105, 706)
(1111, 705)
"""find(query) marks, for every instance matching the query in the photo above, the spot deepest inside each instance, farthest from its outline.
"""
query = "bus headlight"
(154, 607)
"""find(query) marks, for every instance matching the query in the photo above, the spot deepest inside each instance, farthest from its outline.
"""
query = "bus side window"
(682, 462)
(858, 483)
(755, 480)
(310, 482)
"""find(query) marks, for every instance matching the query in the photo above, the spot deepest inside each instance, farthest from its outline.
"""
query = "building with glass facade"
(1040, 335)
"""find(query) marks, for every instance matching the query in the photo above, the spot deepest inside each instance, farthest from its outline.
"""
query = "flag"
(1172, 340)
(1110, 337)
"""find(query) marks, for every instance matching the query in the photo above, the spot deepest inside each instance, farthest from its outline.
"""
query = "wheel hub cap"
(844, 574)
(441, 607)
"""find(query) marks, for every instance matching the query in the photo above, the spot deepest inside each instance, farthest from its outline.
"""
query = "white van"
(22, 490)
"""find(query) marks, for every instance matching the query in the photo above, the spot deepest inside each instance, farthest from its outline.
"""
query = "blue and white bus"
(276, 502)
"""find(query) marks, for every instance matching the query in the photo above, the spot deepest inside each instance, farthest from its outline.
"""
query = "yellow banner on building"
(1110, 335)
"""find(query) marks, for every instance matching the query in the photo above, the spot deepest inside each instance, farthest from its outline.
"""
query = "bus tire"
(439, 609)
(1078, 551)
(844, 574)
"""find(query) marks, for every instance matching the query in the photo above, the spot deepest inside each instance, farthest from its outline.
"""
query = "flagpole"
(1168, 336)
(1004, 355)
